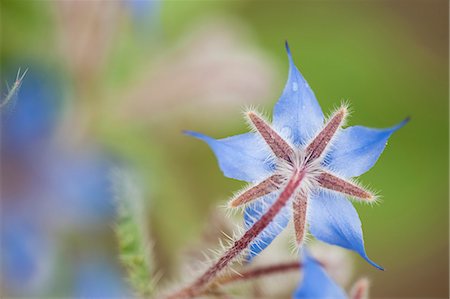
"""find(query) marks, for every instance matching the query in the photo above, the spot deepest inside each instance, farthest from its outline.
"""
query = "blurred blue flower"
(145, 14)
(48, 188)
(316, 283)
(97, 277)
(80, 187)
(26, 251)
(302, 151)
(31, 120)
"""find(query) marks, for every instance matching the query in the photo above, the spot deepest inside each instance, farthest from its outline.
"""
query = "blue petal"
(240, 157)
(254, 212)
(316, 284)
(297, 111)
(333, 219)
(358, 148)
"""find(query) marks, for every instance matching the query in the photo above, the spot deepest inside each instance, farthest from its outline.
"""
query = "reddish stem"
(203, 281)
(258, 272)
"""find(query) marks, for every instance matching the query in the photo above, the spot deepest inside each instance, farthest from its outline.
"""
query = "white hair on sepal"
(271, 156)
(264, 114)
(261, 115)
(371, 202)
(242, 207)
(246, 109)
(294, 246)
(307, 237)
(347, 104)
(347, 111)
(261, 146)
(238, 193)
(376, 198)
(344, 104)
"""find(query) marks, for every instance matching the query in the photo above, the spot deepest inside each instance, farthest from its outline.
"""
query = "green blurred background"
(132, 75)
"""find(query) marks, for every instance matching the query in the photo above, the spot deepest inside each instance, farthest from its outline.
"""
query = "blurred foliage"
(132, 233)
(388, 58)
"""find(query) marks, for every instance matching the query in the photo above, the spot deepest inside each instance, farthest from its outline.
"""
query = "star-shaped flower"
(304, 163)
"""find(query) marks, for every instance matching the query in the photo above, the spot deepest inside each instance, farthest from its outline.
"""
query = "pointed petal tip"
(402, 123)
(189, 133)
(200, 136)
(286, 45)
(373, 263)
(288, 51)
(193, 134)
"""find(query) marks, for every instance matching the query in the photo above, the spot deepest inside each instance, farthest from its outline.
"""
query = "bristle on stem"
(239, 246)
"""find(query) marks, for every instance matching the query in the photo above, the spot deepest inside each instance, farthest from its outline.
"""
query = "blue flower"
(306, 158)
(47, 189)
(316, 284)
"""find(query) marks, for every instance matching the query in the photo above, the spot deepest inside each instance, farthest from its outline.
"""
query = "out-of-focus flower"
(316, 284)
(145, 13)
(27, 253)
(303, 161)
(336, 261)
(96, 277)
(48, 190)
(78, 187)
(31, 120)
(211, 68)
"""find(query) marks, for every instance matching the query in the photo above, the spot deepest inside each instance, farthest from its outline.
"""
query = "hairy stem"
(199, 285)
(258, 272)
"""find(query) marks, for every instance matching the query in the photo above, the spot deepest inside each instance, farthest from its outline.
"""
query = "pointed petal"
(297, 114)
(316, 284)
(333, 219)
(240, 157)
(254, 212)
(357, 149)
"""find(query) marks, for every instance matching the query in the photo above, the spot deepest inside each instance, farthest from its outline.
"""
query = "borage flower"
(316, 283)
(303, 162)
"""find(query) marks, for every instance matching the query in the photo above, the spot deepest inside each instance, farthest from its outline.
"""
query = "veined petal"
(316, 284)
(333, 219)
(254, 212)
(297, 111)
(357, 149)
(240, 157)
